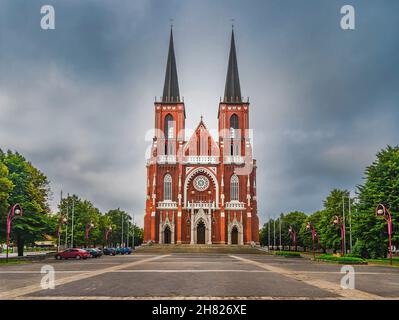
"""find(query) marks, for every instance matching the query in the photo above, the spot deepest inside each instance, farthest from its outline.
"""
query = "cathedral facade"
(201, 191)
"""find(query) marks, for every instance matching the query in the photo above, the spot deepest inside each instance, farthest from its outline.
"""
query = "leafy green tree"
(119, 218)
(306, 234)
(6, 187)
(329, 234)
(294, 219)
(31, 190)
(80, 213)
(263, 233)
(381, 186)
(138, 234)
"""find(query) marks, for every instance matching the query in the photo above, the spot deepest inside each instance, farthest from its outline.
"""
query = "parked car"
(100, 251)
(109, 251)
(94, 253)
(73, 253)
(126, 250)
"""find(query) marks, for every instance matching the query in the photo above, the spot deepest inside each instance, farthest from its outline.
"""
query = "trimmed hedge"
(288, 254)
(343, 260)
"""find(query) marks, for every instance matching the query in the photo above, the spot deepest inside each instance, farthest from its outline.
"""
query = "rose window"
(201, 183)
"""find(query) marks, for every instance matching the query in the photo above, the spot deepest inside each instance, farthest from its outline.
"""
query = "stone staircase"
(199, 248)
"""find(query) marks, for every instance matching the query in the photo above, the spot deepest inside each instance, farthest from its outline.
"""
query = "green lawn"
(385, 261)
(13, 261)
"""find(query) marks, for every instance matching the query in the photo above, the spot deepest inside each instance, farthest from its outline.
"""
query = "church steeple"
(232, 91)
(171, 86)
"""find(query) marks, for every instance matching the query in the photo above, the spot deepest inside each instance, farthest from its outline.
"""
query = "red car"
(73, 254)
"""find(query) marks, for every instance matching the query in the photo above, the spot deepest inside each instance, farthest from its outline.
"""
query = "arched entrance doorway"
(201, 233)
(234, 235)
(167, 235)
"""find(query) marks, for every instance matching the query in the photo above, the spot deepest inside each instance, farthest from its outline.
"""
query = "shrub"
(345, 259)
(290, 254)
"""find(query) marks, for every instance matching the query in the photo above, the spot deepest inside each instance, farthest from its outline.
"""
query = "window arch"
(234, 188)
(234, 122)
(234, 135)
(169, 127)
(167, 187)
(169, 132)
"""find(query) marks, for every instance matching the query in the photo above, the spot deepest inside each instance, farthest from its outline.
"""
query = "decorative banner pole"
(89, 226)
(109, 230)
(292, 234)
(338, 221)
(16, 209)
(381, 210)
(310, 226)
(61, 221)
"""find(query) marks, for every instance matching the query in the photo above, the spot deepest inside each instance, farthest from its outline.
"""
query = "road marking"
(12, 294)
(170, 298)
(183, 298)
(321, 284)
(191, 271)
(140, 271)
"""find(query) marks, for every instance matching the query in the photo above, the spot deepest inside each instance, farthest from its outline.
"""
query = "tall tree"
(6, 187)
(381, 186)
(80, 214)
(294, 219)
(119, 220)
(31, 190)
(306, 234)
(329, 234)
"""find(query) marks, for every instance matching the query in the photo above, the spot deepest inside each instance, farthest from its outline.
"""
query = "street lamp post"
(310, 226)
(61, 221)
(338, 221)
(16, 209)
(133, 233)
(109, 230)
(89, 226)
(381, 210)
(292, 234)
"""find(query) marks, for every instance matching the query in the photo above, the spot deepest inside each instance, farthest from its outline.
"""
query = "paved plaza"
(195, 275)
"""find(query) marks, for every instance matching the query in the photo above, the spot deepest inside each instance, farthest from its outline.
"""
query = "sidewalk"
(33, 253)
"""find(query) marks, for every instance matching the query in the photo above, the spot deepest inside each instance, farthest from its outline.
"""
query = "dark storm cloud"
(323, 100)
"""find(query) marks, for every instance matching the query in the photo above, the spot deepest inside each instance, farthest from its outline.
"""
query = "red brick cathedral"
(201, 191)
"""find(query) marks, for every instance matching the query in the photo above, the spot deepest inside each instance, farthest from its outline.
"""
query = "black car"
(109, 251)
(94, 253)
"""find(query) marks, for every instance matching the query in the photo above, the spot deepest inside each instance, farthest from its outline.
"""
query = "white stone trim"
(210, 174)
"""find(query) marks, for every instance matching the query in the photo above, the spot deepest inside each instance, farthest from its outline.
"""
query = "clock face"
(201, 183)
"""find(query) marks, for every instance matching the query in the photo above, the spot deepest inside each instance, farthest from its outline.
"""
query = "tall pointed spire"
(171, 86)
(232, 91)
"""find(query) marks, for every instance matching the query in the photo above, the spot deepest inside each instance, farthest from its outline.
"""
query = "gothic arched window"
(169, 127)
(234, 121)
(167, 187)
(169, 132)
(234, 134)
(234, 188)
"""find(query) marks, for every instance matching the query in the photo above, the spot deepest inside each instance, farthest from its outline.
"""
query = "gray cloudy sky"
(78, 100)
